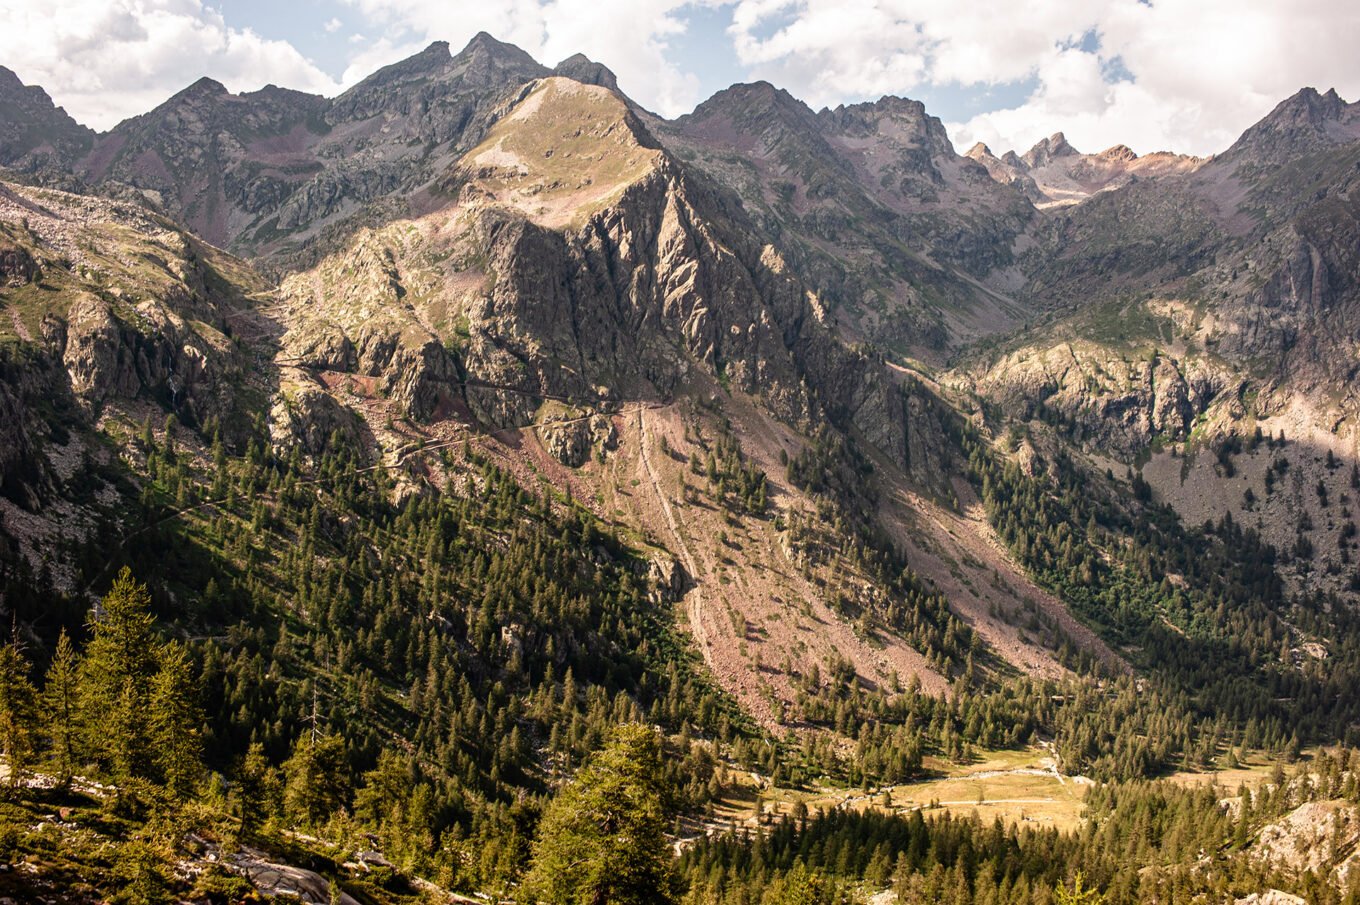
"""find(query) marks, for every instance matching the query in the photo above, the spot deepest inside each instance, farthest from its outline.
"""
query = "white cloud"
(1191, 74)
(332, 25)
(629, 36)
(1184, 75)
(105, 60)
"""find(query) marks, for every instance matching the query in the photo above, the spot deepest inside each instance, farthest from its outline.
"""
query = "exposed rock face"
(580, 68)
(17, 267)
(1319, 836)
(1303, 316)
(120, 328)
(1307, 121)
(1114, 403)
(667, 577)
(571, 437)
(848, 191)
(1270, 897)
(305, 416)
(1047, 150)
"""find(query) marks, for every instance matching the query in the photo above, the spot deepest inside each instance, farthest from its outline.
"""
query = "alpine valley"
(475, 485)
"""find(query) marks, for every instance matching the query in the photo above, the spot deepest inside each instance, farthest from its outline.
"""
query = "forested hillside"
(536, 500)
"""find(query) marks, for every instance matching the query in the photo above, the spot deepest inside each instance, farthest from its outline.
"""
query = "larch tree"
(175, 722)
(18, 713)
(602, 840)
(60, 703)
(115, 677)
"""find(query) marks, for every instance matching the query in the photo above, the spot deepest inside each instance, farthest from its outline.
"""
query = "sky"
(1179, 75)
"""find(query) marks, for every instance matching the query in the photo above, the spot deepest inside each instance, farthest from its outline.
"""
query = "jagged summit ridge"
(1046, 150)
(34, 132)
(1302, 122)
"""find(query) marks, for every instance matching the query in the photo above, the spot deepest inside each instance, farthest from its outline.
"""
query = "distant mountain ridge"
(1053, 173)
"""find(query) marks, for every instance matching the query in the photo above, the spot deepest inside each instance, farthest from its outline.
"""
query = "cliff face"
(893, 230)
(576, 260)
(127, 306)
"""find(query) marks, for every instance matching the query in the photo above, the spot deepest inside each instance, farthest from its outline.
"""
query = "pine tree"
(1078, 894)
(60, 708)
(602, 839)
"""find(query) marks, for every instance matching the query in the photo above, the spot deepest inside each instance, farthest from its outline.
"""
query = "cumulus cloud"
(1185, 75)
(106, 60)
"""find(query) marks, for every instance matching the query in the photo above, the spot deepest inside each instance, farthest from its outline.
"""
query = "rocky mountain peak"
(34, 131)
(905, 119)
(1305, 121)
(204, 91)
(583, 69)
(1046, 150)
(1309, 105)
(1118, 152)
(429, 61)
(979, 152)
(559, 154)
(748, 100)
(9, 81)
(485, 50)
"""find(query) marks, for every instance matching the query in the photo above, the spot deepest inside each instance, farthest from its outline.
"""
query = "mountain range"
(863, 419)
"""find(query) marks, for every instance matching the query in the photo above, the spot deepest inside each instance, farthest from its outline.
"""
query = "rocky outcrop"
(1109, 401)
(305, 416)
(666, 576)
(1318, 836)
(580, 68)
(1047, 150)
(101, 360)
(17, 267)
(132, 307)
(571, 437)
